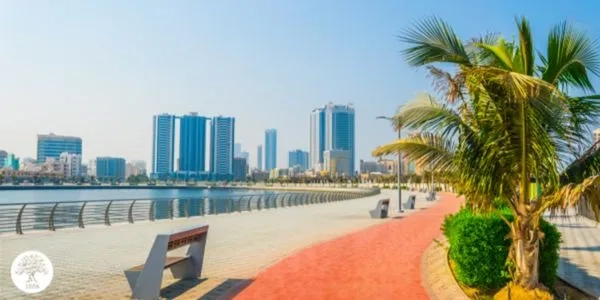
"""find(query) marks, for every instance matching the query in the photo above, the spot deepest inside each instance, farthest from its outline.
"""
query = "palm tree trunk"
(526, 248)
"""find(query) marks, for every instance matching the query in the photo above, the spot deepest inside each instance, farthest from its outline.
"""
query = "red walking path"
(380, 262)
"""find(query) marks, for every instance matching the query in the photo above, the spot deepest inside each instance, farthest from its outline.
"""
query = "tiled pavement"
(580, 251)
(89, 263)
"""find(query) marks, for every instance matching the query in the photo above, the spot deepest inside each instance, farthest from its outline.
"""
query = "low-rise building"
(110, 168)
(71, 164)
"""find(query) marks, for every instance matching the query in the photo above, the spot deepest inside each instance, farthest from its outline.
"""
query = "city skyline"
(94, 86)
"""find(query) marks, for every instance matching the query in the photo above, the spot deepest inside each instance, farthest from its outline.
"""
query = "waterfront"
(86, 194)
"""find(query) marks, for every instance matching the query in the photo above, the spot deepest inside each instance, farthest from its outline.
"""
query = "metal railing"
(21, 217)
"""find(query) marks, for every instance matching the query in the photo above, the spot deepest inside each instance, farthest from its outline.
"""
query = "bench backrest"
(186, 237)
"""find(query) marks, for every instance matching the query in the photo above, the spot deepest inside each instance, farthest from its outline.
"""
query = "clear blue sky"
(101, 69)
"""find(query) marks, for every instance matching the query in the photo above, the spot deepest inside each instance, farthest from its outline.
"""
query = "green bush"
(479, 248)
(386, 186)
(437, 189)
(404, 187)
(395, 187)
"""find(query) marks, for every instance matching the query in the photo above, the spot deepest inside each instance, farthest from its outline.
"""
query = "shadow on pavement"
(579, 277)
(178, 288)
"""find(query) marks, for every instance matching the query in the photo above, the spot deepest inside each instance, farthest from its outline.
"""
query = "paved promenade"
(380, 262)
(89, 263)
(580, 252)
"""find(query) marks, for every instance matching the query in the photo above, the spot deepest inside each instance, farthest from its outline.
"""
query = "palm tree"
(504, 120)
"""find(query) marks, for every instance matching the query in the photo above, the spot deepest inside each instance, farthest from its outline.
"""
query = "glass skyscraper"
(192, 144)
(51, 145)
(109, 168)
(259, 155)
(332, 128)
(298, 158)
(163, 145)
(317, 138)
(221, 147)
(270, 149)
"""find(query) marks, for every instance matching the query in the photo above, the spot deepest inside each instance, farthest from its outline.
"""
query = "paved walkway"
(438, 279)
(380, 262)
(580, 252)
(89, 263)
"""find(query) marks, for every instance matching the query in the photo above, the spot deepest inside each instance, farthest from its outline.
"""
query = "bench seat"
(169, 262)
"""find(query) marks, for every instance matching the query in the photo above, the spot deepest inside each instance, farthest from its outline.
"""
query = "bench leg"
(149, 280)
(191, 268)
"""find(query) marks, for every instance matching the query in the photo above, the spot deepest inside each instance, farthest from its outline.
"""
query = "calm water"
(21, 196)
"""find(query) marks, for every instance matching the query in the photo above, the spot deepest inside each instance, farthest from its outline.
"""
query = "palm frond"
(449, 85)
(586, 193)
(527, 55)
(585, 166)
(570, 55)
(425, 148)
(432, 40)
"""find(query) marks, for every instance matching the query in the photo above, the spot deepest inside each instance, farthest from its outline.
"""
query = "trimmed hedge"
(479, 248)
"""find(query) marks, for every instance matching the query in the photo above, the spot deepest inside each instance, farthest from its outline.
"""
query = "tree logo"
(31, 272)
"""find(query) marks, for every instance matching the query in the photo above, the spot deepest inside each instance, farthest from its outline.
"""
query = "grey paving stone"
(580, 251)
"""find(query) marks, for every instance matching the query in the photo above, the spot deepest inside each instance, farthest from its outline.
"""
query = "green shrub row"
(479, 248)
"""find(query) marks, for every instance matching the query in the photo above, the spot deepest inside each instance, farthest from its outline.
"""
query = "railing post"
(130, 213)
(171, 209)
(18, 224)
(106, 215)
(240, 203)
(249, 204)
(186, 207)
(80, 216)
(151, 210)
(212, 204)
(259, 204)
(230, 205)
(51, 218)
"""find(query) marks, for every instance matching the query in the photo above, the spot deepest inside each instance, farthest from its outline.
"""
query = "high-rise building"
(110, 168)
(298, 158)
(331, 128)
(52, 145)
(317, 138)
(270, 149)
(240, 169)
(163, 145)
(3, 155)
(237, 150)
(338, 162)
(192, 143)
(11, 162)
(221, 147)
(71, 164)
(259, 156)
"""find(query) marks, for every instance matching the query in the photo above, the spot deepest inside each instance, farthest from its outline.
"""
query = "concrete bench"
(145, 280)
(381, 210)
(410, 204)
(431, 196)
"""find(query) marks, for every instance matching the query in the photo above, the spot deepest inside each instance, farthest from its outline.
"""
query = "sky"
(101, 69)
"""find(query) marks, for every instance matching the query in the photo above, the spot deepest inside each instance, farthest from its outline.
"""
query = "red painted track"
(380, 262)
